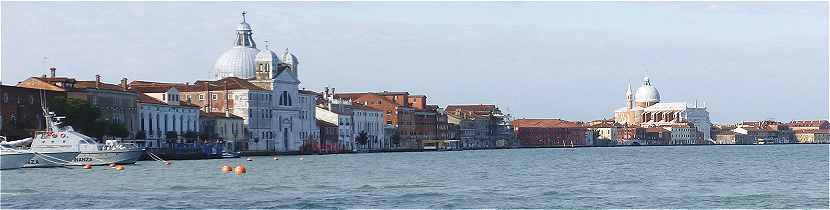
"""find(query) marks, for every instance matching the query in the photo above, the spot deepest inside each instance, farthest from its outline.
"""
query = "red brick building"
(549, 132)
(21, 110)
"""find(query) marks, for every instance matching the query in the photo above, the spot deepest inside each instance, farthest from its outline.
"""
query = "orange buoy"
(226, 169)
(250, 159)
(239, 170)
(119, 167)
(87, 166)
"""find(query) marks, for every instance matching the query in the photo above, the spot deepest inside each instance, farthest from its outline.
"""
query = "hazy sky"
(570, 60)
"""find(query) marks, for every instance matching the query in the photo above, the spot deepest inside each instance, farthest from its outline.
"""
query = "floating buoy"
(167, 162)
(239, 170)
(119, 167)
(87, 166)
(226, 169)
(250, 159)
(276, 158)
(112, 165)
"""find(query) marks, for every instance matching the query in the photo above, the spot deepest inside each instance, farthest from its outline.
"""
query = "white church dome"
(647, 93)
(237, 62)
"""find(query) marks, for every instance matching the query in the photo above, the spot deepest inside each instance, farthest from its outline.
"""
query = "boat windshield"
(85, 139)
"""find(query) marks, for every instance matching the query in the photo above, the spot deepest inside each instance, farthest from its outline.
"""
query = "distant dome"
(647, 93)
(288, 57)
(268, 55)
(237, 62)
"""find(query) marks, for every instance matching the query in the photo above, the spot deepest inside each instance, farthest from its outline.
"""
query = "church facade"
(644, 108)
(279, 76)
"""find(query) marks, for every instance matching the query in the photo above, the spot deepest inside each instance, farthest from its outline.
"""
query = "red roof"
(543, 123)
(144, 98)
(362, 107)
(100, 85)
(227, 83)
(809, 123)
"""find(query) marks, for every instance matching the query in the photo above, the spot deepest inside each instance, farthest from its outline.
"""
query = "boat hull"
(40, 161)
(106, 157)
(14, 160)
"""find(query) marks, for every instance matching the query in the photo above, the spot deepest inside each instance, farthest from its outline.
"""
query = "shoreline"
(193, 156)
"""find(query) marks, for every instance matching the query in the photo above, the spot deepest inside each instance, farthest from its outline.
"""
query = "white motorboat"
(47, 145)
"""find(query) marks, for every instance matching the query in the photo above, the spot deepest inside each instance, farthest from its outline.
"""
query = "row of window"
(19, 99)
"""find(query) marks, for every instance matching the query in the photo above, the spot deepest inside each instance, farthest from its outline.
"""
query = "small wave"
(550, 193)
(270, 188)
(367, 187)
(20, 191)
(424, 194)
(186, 188)
(399, 186)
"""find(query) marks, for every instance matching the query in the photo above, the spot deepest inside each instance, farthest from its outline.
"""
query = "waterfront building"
(234, 96)
(369, 121)
(480, 126)
(605, 132)
(549, 132)
(116, 103)
(685, 134)
(766, 132)
(309, 131)
(809, 131)
(20, 110)
(644, 108)
(158, 116)
(342, 117)
(329, 138)
(413, 123)
(656, 136)
(224, 128)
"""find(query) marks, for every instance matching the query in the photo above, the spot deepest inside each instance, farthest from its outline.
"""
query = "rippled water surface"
(761, 176)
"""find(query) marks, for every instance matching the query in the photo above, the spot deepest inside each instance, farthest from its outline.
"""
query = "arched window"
(285, 99)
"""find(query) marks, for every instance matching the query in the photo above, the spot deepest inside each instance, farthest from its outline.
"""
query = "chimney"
(124, 84)
(97, 81)
(52, 72)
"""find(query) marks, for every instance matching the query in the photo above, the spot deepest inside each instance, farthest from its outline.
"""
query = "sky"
(568, 60)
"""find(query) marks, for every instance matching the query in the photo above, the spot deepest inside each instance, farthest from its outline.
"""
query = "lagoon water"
(734, 176)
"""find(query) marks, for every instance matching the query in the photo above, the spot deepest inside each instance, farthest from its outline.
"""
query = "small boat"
(230, 155)
(63, 146)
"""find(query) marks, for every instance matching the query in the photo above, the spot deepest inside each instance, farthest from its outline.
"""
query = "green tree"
(140, 135)
(117, 130)
(396, 139)
(362, 138)
(78, 113)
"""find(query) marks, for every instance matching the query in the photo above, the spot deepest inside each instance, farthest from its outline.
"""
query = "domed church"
(283, 121)
(643, 108)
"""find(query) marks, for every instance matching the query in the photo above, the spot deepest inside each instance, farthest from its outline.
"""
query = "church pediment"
(286, 77)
